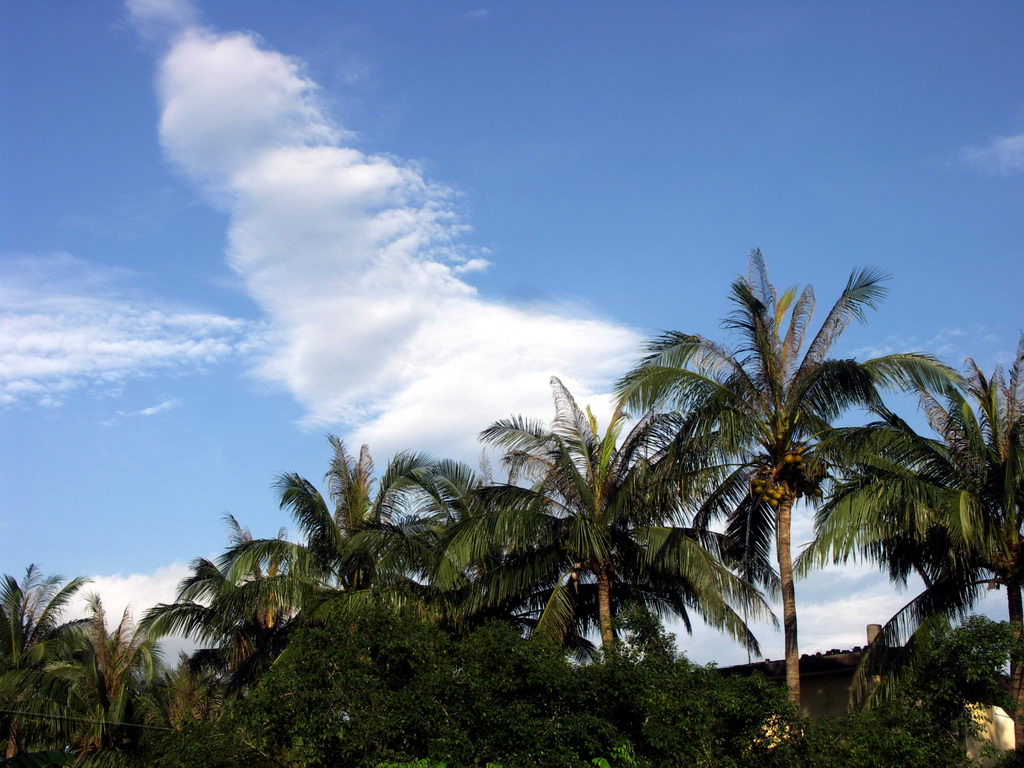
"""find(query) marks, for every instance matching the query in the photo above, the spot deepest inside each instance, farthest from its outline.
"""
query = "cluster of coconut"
(795, 455)
(764, 486)
(771, 491)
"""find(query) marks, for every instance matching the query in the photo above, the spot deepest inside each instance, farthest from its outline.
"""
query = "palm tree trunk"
(1016, 610)
(782, 543)
(604, 609)
(12, 739)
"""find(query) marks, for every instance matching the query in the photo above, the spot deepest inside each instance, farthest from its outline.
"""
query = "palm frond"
(864, 290)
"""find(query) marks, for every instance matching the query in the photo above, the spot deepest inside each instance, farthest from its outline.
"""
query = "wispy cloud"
(471, 265)
(357, 262)
(156, 19)
(64, 324)
(152, 410)
(161, 407)
(952, 345)
(1002, 155)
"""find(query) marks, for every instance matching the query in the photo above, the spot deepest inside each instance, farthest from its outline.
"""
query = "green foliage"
(33, 635)
(243, 619)
(103, 683)
(50, 759)
(347, 695)
(755, 413)
(896, 734)
(672, 713)
(622, 757)
(953, 668)
(1012, 759)
(643, 634)
(948, 507)
(210, 744)
(589, 521)
(388, 690)
(392, 688)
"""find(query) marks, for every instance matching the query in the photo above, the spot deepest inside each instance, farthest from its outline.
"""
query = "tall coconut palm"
(33, 632)
(768, 400)
(948, 507)
(593, 526)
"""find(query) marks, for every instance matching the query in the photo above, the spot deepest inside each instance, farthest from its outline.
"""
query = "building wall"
(997, 731)
(826, 695)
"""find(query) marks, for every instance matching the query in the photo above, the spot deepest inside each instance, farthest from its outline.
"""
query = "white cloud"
(834, 606)
(471, 265)
(63, 325)
(164, 405)
(160, 407)
(161, 18)
(948, 344)
(1002, 155)
(136, 593)
(356, 261)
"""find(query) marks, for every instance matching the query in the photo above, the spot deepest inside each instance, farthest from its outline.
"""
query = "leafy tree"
(929, 708)
(948, 507)
(32, 633)
(896, 734)
(951, 669)
(595, 528)
(385, 688)
(768, 401)
(380, 687)
(352, 691)
(53, 758)
(367, 544)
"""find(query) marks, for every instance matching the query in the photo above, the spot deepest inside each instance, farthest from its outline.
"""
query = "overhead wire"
(47, 716)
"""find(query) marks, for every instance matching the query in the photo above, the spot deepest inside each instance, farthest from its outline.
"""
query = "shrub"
(387, 690)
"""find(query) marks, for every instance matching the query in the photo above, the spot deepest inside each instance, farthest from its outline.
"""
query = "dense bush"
(396, 691)
(895, 734)
(951, 668)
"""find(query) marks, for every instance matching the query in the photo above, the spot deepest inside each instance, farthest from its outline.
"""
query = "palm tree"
(594, 529)
(32, 634)
(948, 507)
(363, 541)
(247, 605)
(244, 620)
(104, 679)
(767, 401)
(185, 694)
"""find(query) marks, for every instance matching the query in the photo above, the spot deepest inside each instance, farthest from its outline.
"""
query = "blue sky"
(228, 229)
